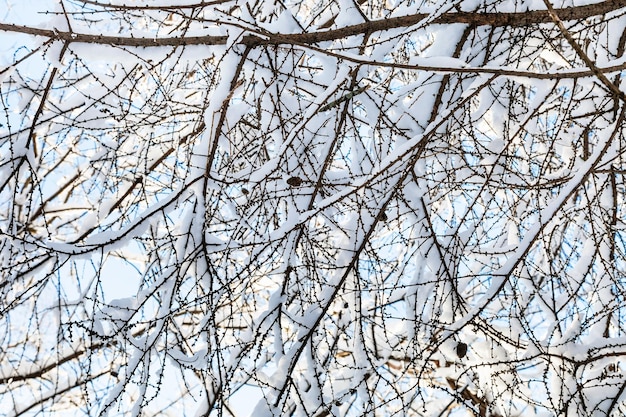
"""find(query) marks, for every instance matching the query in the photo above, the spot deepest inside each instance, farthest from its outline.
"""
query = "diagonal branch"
(582, 54)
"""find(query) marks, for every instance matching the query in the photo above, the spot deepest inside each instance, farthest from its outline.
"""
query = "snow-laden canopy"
(312, 208)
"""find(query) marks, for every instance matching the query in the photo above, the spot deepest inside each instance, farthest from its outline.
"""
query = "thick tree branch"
(472, 18)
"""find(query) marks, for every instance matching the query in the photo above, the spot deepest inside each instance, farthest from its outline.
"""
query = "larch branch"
(514, 19)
